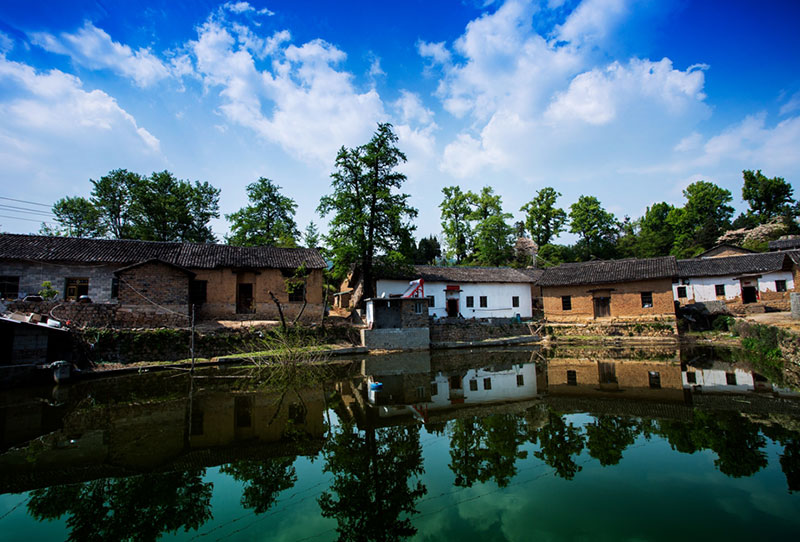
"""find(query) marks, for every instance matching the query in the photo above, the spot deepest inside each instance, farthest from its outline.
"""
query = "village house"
(758, 278)
(221, 281)
(631, 290)
(725, 249)
(467, 292)
(792, 243)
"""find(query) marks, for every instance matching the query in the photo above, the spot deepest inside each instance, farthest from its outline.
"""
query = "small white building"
(746, 278)
(469, 292)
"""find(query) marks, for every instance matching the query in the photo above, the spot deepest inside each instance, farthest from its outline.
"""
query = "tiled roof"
(759, 262)
(609, 271)
(725, 247)
(784, 244)
(127, 252)
(433, 273)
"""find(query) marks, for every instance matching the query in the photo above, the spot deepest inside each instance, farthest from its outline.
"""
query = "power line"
(20, 218)
(25, 201)
(24, 209)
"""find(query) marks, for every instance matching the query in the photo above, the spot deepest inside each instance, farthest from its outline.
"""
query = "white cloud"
(411, 108)
(792, 105)
(6, 43)
(93, 48)
(592, 21)
(245, 7)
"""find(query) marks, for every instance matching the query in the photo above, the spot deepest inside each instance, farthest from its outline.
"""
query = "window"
(243, 408)
(566, 303)
(572, 378)
(418, 306)
(197, 422)
(655, 379)
(420, 393)
(487, 383)
(470, 301)
(520, 380)
(719, 289)
(434, 388)
(76, 287)
(197, 291)
(691, 377)
(483, 301)
(682, 292)
(297, 413)
(515, 301)
(455, 382)
(647, 300)
(431, 301)
(115, 287)
(780, 285)
(9, 287)
(473, 385)
(730, 379)
(297, 292)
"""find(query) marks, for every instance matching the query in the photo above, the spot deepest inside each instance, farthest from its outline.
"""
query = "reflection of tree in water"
(790, 458)
(609, 436)
(559, 443)
(487, 448)
(736, 440)
(135, 508)
(372, 493)
(264, 480)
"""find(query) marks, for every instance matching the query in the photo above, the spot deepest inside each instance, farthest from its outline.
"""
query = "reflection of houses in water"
(722, 377)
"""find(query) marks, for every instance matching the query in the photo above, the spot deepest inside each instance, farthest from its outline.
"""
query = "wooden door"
(602, 307)
(244, 299)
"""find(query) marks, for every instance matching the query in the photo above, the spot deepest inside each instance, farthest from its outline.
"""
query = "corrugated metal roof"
(609, 271)
(127, 252)
(760, 262)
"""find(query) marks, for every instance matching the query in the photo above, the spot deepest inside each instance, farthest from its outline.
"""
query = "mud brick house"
(223, 282)
(470, 292)
(610, 290)
(764, 278)
(725, 249)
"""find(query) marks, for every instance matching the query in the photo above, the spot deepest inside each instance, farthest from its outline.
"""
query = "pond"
(571, 443)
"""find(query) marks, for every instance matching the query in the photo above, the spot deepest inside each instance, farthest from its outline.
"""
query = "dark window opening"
(243, 407)
(515, 301)
(198, 291)
(431, 301)
(434, 388)
(9, 287)
(682, 292)
(730, 378)
(420, 393)
(297, 292)
(455, 382)
(197, 422)
(691, 377)
(470, 301)
(297, 413)
(655, 379)
(647, 300)
(520, 380)
(487, 383)
(76, 287)
(572, 378)
(566, 303)
(719, 289)
(114, 287)
(484, 302)
(473, 385)
(780, 285)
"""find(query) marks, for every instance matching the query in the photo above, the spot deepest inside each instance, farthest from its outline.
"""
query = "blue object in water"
(376, 386)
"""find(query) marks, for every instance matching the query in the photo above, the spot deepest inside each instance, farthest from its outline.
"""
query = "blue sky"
(626, 101)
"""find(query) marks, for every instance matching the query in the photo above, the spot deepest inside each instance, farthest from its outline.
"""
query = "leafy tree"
(768, 198)
(456, 211)
(369, 217)
(551, 255)
(76, 217)
(656, 234)
(112, 198)
(135, 508)
(167, 209)
(543, 219)
(267, 221)
(373, 491)
(493, 235)
(428, 250)
(311, 236)
(609, 436)
(596, 226)
(702, 219)
(559, 443)
(264, 480)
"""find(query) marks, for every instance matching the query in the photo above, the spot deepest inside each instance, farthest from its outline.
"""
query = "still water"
(521, 444)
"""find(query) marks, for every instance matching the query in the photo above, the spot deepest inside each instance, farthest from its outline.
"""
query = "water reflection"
(128, 458)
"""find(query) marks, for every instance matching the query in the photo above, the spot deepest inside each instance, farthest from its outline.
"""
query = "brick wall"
(154, 283)
(473, 330)
(626, 301)
(101, 314)
(31, 276)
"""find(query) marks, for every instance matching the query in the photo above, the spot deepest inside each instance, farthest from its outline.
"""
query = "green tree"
(167, 209)
(457, 231)
(656, 234)
(263, 480)
(428, 250)
(76, 217)
(559, 444)
(768, 198)
(112, 198)
(704, 217)
(493, 236)
(369, 217)
(596, 226)
(608, 436)
(267, 221)
(311, 236)
(543, 219)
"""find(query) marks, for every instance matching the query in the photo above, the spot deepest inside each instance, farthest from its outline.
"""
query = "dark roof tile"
(759, 262)
(609, 271)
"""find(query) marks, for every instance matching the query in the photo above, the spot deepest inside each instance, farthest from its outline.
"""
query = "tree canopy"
(267, 220)
(543, 219)
(768, 198)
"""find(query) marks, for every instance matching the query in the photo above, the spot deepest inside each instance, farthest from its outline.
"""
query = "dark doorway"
(452, 307)
(244, 299)
(602, 307)
(749, 294)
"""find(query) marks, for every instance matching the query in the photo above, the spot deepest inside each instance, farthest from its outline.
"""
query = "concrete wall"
(396, 339)
(499, 297)
(701, 289)
(31, 275)
(626, 301)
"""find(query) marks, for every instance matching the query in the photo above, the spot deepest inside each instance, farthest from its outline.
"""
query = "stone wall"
(474, 330)
(396, 339)
(154, 283)
(101, 314)
(660, 328)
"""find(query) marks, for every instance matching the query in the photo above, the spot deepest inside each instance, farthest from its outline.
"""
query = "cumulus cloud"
(93, 48)
(245, 7)
(592, 21)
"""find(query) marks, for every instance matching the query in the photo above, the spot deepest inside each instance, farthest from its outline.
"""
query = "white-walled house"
(470, 292)
(747, 278)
